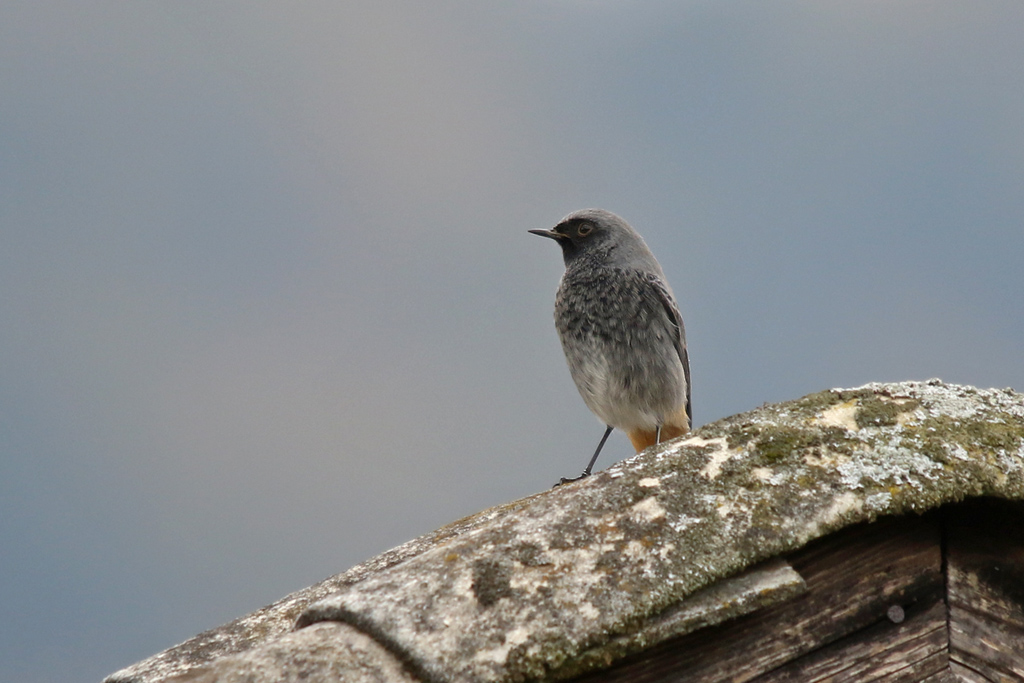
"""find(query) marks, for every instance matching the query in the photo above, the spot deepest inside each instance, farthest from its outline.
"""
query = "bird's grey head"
(599, 235)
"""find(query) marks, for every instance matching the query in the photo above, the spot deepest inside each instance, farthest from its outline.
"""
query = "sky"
(268, 305)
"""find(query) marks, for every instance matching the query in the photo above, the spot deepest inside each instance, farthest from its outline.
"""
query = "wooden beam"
(948, 676)
(985, 569)
(910, 651)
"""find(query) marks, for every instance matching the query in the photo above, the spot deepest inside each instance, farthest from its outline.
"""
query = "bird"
(621, 331)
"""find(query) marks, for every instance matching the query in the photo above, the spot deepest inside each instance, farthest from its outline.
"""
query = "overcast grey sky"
(269, 305)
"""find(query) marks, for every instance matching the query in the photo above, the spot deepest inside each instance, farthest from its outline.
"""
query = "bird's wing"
(676, 319)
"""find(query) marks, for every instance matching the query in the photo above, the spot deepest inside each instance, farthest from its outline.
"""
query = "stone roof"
(677, 538)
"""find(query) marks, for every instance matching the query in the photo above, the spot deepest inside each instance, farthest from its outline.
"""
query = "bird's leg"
(657, 436)
(590, 465)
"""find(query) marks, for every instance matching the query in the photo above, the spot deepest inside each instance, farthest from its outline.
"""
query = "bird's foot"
(569, 480)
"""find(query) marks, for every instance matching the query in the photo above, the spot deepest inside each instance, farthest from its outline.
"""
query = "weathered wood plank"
(966, 675)
(909, 651)
(853, 577)
(948, 676)
(983, 646)
(985, 547)
(985, 570)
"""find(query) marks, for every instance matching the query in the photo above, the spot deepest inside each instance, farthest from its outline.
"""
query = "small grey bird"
(621, 330)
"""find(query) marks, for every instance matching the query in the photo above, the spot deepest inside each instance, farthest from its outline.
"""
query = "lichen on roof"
(551, 585)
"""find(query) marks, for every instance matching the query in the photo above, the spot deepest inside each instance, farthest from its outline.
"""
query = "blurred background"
(268, 305)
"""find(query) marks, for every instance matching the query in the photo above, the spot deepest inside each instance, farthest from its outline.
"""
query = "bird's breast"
(618, 345)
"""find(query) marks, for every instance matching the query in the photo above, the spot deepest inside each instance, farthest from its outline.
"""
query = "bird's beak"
(548, 233)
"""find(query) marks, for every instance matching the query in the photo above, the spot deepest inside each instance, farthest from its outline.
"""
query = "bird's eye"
(585, 230)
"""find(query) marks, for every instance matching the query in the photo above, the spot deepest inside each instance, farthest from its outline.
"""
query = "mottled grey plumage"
(621, 329)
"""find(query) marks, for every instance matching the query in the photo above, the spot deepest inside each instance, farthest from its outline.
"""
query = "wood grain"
(853, 577)
(913, 650)
(985, 570)
(949, 676)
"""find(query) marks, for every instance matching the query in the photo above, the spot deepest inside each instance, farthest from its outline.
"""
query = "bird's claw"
(569, 480)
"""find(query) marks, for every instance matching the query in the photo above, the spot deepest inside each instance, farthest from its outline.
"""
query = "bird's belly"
(628, 389)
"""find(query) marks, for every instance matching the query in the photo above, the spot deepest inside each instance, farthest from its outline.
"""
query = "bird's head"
(593, 232)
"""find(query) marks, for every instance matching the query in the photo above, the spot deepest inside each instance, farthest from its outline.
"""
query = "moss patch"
(816, 403)
(994, 435)
(742, 435)
(874, 412)
(850, 394)
(777, 442)
(781, 441)
(937, 436)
